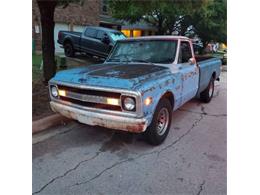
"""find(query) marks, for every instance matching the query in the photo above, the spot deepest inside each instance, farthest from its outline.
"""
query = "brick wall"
(87, 14)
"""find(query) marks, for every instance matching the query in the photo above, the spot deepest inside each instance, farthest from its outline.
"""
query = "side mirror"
(192, 61)
(105, 40)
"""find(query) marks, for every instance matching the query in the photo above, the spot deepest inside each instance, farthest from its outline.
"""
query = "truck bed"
(200, 58)
(72, 33)
(209, 66)
(74, 37)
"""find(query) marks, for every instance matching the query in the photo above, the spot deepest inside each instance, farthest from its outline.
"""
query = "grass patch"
(36, 59)
(36, 64)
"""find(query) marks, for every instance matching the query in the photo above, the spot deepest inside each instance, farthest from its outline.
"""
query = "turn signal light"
(62, 93)
(148, 101)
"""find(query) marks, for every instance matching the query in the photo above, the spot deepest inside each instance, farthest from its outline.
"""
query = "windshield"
(117, 36)
(152, 51)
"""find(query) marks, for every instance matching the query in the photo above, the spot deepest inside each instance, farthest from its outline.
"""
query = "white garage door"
(58, 27)
(78, 28)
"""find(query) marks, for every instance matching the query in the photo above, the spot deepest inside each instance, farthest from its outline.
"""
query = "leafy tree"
(205, 18)
(163, 14)
(47, 9)
(209, 21)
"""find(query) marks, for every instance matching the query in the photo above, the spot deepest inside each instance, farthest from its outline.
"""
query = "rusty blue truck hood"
(123, 76)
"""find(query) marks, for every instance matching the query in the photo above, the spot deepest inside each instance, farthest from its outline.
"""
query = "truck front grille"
(90, 98)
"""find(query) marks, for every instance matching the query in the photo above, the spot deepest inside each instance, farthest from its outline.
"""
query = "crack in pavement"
(70, 170)
(203, 113)
(67, 172)
(141, 155)
(201, 187)
(183, 135)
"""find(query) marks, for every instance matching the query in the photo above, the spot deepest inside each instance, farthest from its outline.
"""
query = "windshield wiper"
(166, 61)
(114, 60)
(117, 59)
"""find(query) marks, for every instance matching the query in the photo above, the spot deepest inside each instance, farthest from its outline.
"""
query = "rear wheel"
(207, 94)
(69, 50)
(160, 125)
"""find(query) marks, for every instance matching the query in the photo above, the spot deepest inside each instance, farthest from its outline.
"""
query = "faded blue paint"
(157, 87)
(190, 81)
(207, 68)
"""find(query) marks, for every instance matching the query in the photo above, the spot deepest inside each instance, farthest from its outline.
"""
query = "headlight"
(129, 103)
(54, 91)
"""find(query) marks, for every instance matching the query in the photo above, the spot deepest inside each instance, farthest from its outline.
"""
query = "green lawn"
(36, 59)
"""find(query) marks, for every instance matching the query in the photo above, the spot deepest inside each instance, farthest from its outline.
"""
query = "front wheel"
(207, 94)
(160, 125)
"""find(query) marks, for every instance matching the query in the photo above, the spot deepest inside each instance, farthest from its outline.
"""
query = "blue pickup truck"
(137, 88)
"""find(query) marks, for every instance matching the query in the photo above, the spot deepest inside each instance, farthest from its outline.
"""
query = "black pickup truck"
(96, 41)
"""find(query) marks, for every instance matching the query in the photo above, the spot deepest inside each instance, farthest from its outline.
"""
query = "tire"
(207, 94)
(159, 128)
(69, 50)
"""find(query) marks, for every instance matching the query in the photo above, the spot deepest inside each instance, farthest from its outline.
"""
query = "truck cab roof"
(157, 37)
(102, 28)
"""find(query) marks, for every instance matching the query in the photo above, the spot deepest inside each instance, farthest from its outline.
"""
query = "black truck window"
(185, 52)
(100, 34)
(90, 33)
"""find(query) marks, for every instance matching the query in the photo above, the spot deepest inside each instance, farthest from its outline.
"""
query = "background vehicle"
(222, 55)
(138, 87)
(93, 40)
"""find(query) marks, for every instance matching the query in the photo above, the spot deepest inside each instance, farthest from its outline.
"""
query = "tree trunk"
(47, 9)
(160, 27)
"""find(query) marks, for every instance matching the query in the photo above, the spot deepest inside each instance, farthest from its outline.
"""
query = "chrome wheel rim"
(162, 121)
(211, 87)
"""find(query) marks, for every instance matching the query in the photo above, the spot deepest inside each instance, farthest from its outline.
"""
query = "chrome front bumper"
(93, 118)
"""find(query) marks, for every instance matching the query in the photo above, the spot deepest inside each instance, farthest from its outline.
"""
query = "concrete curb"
(47, 122)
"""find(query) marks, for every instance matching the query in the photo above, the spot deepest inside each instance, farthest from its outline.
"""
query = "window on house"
(137, 33)
(126, 32)
(185, 52)
(104, 6)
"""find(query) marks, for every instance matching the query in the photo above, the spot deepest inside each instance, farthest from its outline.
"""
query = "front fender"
(156, 89)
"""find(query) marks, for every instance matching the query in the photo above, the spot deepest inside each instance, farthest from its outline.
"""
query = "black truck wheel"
(69, 50)
(161, 122)
(207, 94)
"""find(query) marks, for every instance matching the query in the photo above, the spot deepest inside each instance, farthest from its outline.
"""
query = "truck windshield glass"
(150, 51)
(117, 36)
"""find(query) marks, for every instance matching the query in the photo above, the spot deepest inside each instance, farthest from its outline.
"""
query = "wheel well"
(168, 95)
(67, 41)
(214, 75)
